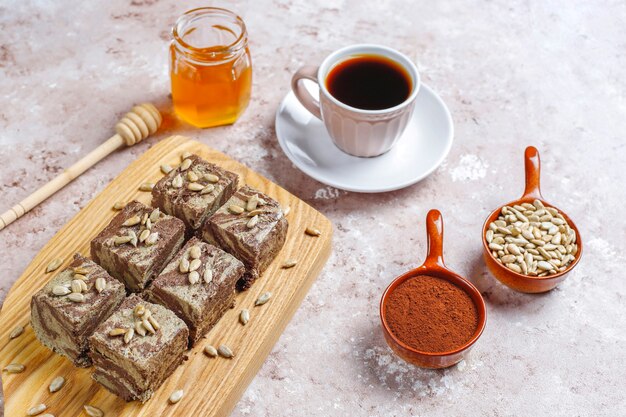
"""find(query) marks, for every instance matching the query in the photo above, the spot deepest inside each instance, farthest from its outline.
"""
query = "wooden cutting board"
(212, 386)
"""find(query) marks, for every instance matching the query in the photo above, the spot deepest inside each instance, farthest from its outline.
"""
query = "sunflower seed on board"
(128, 336)
(36, 410)
(210, 351)
(212, 178)
(185, 164)
(208, 275)
(207, 189)
(176, 396)
(166, 168)
(146, 186)
(54, 265)
(235, 209)
(76, 297)
(311, 231)
(252, 222)
(16, 332)
(286, 211)
(244, 316)
(263, 298)
(152, 239)
(195, 186)
(56, 384)
(118, 205)
(14, 368)
(225, 352)
(290, 263)
(177, 182)
(193, 277)
(93, 411)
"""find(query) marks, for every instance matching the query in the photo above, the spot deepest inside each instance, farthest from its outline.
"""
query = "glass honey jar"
(210, 67)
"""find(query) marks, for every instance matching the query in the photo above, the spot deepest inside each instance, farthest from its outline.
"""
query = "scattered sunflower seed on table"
(210, 351)
(54, 265)
(16, 332)
(14, 368)
(532, 239)
(56, 384)
(176, 396)
(93, 411)
(36, 410)
(263, 298)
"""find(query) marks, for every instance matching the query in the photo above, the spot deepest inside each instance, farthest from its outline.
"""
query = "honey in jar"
(210, 67)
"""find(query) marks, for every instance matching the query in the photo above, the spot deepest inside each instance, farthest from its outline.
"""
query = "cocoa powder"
(431, 314)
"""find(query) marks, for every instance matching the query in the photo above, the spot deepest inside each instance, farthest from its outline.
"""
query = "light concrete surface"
(514, 73)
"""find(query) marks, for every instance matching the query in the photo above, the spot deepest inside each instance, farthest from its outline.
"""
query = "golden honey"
(210, 67)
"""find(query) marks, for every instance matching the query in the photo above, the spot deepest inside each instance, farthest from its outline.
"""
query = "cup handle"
(532, 165)
(434, 233)
(302, 94)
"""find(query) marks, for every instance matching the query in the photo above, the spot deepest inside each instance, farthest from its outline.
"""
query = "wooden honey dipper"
(142, 121)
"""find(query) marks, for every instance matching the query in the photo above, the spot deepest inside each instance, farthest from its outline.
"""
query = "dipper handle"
(434, 234)
(142, 121)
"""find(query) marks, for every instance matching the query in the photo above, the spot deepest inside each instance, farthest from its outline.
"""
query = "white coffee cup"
(358, 132)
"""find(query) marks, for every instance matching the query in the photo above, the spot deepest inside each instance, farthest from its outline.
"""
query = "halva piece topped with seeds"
(66, 311)
(194, 190)
(137, 244)
(137, 348)
(198, 285)
(251, 226)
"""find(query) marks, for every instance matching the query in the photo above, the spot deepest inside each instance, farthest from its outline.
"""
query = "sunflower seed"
(152, 239)
(166, 169)
(290, 263)
(177, 182)
(256, 212)
(185, 155)
(60, 290)
(507, 259)
(54, 265)
(545, 266)
(16, 332)
(144, 235)
(176, 396)
(210, 351)
(139, 310)
(155, 324)
(253, 202)
(208, 189)
(139, 329)
(235, 209)
(119, 205)
(195, 251)
(146, 186)
(154, 215)
(76, 287)
(183, 266)
(93, 411)
(185, 164)
(76, 297)
(193, 277)
(144, 218)
(117, 332)
(38, 409)
(81, 277)
(195, 186)
(225, 352)
(132, 221)
(286, 211)
(244, 316)
(312, 231)
(514, 267)
(14, 368)
(192, 176)
(252, 222)
(195, 264)
(495, 246)
(56, 384)
(128, 336)
(212, 178)
(148, 326)
(263, 298)
(208, 275)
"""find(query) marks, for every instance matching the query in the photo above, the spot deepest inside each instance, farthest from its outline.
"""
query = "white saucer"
(419, 151)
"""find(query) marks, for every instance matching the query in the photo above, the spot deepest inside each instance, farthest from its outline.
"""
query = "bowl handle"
(434, 234)
(532, 165)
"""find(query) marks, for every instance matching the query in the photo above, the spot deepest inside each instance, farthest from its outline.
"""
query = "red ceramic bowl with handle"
(512, 279)
(433, 266)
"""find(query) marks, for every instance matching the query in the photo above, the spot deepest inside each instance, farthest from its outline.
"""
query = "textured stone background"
(513, 73)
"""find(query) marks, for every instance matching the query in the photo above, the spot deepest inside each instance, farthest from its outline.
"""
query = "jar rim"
(188, 16)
